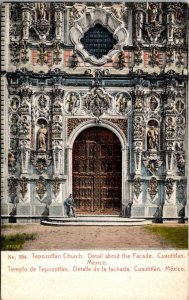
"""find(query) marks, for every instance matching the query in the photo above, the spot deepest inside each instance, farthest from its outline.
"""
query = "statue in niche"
(41, 11)
(152, 138)
(153, 103)
(42, 138)
(11, 162)
(153, 12)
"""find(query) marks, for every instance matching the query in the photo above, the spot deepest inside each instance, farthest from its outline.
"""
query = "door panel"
(97, 172)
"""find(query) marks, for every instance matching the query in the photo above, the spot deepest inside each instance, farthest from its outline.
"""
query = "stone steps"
(94, 221)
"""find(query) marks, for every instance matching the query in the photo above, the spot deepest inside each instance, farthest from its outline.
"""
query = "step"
(94, 221)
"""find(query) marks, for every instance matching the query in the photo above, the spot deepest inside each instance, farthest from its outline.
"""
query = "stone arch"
(124, 147)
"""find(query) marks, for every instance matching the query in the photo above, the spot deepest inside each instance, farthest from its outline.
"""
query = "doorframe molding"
(124, 147)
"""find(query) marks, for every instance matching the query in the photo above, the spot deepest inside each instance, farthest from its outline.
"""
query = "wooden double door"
(97, 172)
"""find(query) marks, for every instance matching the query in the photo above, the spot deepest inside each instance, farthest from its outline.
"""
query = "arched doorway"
(97, 172)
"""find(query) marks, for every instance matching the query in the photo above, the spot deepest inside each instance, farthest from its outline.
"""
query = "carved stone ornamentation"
(56, 186)
(23, 187)
(123, 103)
(12, 162)
(12, 185)
(56, 127)
(41, 161)
(169, 187)
(56, 54)
(154, 28)
(152, 187)
(137, 187)
(24, 127)
(57, 157)
(41, 24)
(169, 56)
(152, 162)
(180, 161)
(121, 60)
(15, 53)
(24, 155)
(41, 188)
(170, 128)
(98, 101)
(42, 59)
(73, 123)
(152, 103)
(138, 101)
(138, 56)
(72, 102)
(138, 131)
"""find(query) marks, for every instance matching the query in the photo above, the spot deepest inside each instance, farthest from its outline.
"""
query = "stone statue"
(152, 139)
(42, 138)
(153, 12)
(41, 11)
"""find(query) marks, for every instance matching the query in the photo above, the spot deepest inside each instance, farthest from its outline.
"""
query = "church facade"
(94, 104)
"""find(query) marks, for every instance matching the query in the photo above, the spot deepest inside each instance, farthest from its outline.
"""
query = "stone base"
(4, 209)
(186, 210)
(152, 211)
(170, 211)
(56, 210)
(23, 209)
(137, 211)
(38, 209)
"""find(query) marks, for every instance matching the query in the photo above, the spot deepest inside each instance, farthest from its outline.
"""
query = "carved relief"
(41, 24)
(138, 128)
(152, 187)
(56, 186)
(23, 187)
(41, 161)
(169, 187)
(41, 188)
(12, 185)
(138, 101)
(57, 127)
(73, 123)
(137, 187)
(72, 102)
(98, 101)
(11, 162)
(24, 127)
(123, 103)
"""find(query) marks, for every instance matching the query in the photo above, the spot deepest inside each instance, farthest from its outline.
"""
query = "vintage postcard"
(94, 120)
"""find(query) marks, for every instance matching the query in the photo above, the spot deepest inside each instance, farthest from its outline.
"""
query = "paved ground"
(89, 237)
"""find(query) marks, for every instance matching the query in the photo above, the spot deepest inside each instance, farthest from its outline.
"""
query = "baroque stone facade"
(68, 67)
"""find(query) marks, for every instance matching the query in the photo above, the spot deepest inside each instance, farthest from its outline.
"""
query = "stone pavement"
(89, 237)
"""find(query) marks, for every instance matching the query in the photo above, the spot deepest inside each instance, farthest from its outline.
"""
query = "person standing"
(69, 202)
